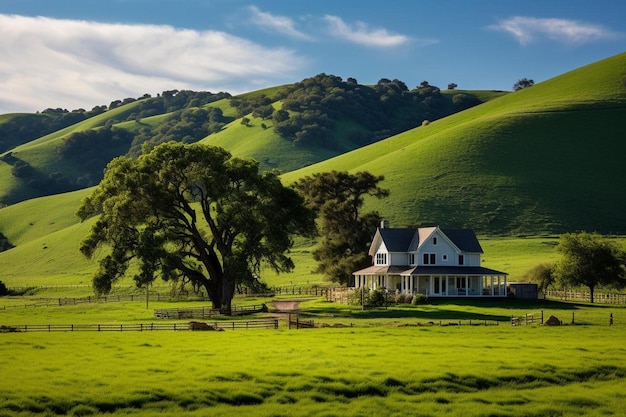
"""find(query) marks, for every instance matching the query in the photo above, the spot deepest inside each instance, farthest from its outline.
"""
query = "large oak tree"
(193, 212)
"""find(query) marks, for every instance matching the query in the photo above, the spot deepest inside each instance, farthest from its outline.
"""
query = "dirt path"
(286, 306)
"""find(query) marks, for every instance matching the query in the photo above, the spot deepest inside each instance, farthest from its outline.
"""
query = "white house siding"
(398, 258)
(471, 259)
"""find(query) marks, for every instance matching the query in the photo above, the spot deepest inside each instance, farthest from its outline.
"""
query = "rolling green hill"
(545, 159)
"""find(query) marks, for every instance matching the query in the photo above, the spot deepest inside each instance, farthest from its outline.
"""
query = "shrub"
(3, 289)
(404, 298)
(419, 299)
(374, 298)
(377, 298)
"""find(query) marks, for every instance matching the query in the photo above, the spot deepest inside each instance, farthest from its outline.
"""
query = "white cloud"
(280, 24)
(528, 29)
(361, 34)
(69, 63)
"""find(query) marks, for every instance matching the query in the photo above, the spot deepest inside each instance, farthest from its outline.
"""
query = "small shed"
(523, 290)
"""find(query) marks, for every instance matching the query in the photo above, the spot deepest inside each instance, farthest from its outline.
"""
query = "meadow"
(390, 362)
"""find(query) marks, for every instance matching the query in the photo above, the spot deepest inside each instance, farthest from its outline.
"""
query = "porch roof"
(451, 270)
(383, 269)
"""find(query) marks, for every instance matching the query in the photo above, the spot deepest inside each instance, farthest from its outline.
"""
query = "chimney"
(384, 224)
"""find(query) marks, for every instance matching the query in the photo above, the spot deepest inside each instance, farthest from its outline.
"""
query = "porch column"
(499, 286)
(492, 285)
(505, 287)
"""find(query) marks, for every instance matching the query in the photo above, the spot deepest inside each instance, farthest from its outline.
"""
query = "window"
(434, 240)
(444, 257)
(381, 259)
(429, 259)
(461, 260)
(411, 259)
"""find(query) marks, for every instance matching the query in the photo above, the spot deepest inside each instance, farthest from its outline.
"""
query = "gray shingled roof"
(452, 270)
(397, 240)
(464, 239)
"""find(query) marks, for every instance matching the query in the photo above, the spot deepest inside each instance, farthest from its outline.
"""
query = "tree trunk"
(591, 288)
(227, 294)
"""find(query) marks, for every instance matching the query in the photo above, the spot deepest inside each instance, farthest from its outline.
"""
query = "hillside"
(284, 127)
(546, 159)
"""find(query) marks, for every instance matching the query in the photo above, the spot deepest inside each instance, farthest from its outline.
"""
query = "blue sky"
(74, 54)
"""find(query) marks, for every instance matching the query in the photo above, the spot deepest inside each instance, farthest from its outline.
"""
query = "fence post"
(541, 316)
(573, 317)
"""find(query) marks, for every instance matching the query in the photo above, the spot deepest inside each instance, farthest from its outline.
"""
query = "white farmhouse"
(431, 261)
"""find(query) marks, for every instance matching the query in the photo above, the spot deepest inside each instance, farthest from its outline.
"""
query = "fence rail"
(598, 297)
(217, 325)
(205, 312)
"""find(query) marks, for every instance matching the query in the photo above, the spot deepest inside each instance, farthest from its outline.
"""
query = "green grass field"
(384, 365)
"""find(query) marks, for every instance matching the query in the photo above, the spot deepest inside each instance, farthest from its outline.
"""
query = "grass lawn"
(384, 365)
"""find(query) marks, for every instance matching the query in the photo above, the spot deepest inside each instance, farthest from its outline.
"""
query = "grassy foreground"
(384, 365)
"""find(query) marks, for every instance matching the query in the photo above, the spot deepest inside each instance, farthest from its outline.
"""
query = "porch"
(438, 282)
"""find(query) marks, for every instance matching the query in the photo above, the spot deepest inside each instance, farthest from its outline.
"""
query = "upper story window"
(461, 260)
(411, 259)
(381, 259)
(435, 240)
(429, 259)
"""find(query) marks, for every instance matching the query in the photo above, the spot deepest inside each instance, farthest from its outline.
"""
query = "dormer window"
(381, 259)
(411, 259)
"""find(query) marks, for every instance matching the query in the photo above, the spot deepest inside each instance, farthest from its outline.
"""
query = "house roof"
(451, 270)
(464, 239)
(397, 240)
(409, 239)
(428, 270)
(383, 269)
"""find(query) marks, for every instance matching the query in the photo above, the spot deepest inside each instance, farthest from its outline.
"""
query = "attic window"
(381, 259)
(434, 240)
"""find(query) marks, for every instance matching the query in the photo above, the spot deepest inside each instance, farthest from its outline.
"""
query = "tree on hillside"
(523, 83)
(338, 197)
(591, 261)
(452, 86)
(192, 212)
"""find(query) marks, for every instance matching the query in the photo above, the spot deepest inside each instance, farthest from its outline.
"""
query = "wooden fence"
(217, 325)
(585, 296)
(296, 323)
(205, 312)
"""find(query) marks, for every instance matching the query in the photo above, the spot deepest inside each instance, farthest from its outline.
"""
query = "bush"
(377, 298)
(374, 298)
(3, 289)
(404, 299)
(419, 299)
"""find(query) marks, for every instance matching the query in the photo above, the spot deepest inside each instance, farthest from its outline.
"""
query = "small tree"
(591, 261)
(542, 275)
(523, 83)
(337, 197)
(452, 86)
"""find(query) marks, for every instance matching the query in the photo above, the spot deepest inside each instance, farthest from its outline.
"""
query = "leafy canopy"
(195, 213)
(590, 260)
(338, 197)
